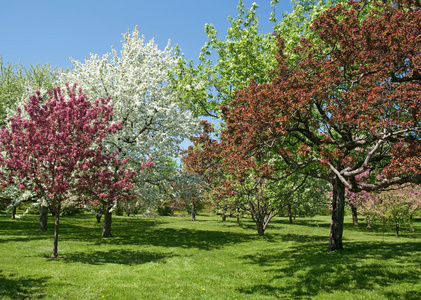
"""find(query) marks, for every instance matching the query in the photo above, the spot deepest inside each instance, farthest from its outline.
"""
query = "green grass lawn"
(175, 258)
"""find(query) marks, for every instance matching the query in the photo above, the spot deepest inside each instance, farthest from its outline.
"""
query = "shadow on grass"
(182, 238)
(124, 257)
(301, 238)
(302, 221)
(145, 232)
(132, 231)
(17, 226)
(309, 270)
(377, 227)
(21, 288)
(21, 230)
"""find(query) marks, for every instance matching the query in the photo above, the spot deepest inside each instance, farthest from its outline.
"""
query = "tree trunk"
(368, 223)
(43, 218)
(289, 213)
(224, 213)
(106, 230)
(98, 217)
(193, 212)
(337, 217)
(238, 216)
(56, 225)
(354, 214)
(397, 231)
(14, 212)
(260, 228)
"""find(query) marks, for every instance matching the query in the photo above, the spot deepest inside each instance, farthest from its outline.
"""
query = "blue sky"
(54, 30)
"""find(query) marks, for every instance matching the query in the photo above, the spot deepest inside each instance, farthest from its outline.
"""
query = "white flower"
(136, 80)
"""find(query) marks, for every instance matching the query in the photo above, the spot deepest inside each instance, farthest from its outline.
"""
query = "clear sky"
(54, 30)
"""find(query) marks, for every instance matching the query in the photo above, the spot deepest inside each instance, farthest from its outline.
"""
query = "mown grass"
(175, 258)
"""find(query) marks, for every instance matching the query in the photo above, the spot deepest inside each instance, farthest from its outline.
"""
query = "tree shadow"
(181, 238)
(22, 239)
(124, 257)
(302, 221)
(17, 226)
(312, 270)
(377, 227)
(21, 288)
(133, 231)
(302, 238)
(21, 230)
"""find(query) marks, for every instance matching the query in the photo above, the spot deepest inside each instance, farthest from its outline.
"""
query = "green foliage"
(296, 25)
(228, 64)
(225, 64)
(18, 82)
(165, 210)
(72, 211)
(309, 199)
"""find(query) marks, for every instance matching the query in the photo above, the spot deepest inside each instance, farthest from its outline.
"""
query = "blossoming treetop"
(57, 152)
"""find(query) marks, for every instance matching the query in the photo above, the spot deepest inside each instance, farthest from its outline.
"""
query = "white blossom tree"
(153, 124)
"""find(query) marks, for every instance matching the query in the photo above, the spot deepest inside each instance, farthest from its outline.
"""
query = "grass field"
(175, 258)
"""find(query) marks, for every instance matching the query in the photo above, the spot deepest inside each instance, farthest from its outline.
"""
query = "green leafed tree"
(225, 64)
(18, 82)
(336, 115)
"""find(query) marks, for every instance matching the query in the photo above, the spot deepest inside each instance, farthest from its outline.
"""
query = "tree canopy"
(348, 105)
(57, 152)
(136, 80)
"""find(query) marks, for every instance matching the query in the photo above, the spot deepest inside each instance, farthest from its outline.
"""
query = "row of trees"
(395, 207)
(74, 151)
(332, 94)
(344, 102)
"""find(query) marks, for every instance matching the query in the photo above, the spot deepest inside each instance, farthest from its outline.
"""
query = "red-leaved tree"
(350, 105)
(237, 182)
(56, 152)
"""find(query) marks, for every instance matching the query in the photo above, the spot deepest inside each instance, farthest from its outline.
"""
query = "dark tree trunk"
(56, 226)
(397, 231)
(258, 218)
(43, 218)
(193, 212)
(337, 217)
(14, 212)
(106, 230)
(98, 217)
(354, 214)
(289, 213)
(238, 216)
(260, 228)
(224, 213)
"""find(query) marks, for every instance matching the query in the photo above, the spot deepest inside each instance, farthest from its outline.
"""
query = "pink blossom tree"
(54, 148)
(395, 207)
